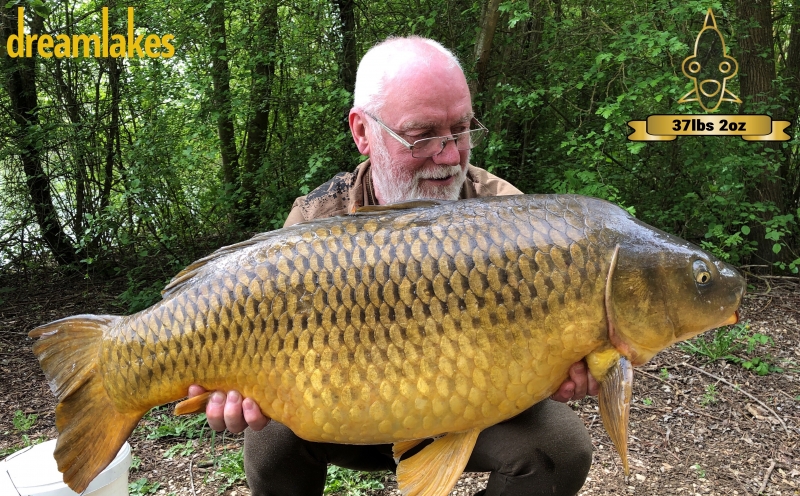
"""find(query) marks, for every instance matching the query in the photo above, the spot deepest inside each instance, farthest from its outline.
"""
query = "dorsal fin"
(404, 205)
(192, 270)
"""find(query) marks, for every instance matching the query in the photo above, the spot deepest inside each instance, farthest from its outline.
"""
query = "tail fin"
(91, 430)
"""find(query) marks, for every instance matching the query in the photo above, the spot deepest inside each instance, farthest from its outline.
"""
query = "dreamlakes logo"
(21, 44)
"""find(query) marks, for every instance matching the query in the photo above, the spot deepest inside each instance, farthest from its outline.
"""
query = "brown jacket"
(347, 191)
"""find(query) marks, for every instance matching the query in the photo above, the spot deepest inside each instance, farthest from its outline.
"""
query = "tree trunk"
(756, 76)
(263, 75)
(348, 63)
(112, 138)
(483, 44)
(221, 78)
(792, 75)
(21, 87)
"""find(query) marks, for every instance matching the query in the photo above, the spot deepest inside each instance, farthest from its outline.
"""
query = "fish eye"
(724, 66)
(702, 276)
(694, 67)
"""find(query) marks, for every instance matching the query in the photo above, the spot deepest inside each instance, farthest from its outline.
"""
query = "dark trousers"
(543, 450)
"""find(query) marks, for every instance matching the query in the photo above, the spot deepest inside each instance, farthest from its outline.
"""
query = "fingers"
(594, 386)
(233, 414)
(195, 390)
(215, 411)
(578, 374)
(565, 392)
(579, 383)
(253, 416)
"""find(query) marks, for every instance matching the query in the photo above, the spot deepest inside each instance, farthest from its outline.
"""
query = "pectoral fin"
(615, 406)
(196, 404)
(436, 469)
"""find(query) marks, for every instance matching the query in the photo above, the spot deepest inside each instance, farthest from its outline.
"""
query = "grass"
(227, 462)
(701, 473)
(142, 487)
(346, 482)
(229, 468)
(736, 344)
(22, 424)
(161, 423)
(710, 396)
(180, 449)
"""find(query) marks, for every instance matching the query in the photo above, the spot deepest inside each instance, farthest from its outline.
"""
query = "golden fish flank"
(394, 325)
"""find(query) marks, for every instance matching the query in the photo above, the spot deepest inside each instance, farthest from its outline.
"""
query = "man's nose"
(448, 155)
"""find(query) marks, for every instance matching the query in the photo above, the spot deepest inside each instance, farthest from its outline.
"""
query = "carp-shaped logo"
(710, 68)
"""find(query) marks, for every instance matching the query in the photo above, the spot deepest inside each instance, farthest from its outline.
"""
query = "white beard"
(392, 188)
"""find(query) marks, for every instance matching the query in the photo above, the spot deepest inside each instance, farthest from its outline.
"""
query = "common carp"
(394, 325)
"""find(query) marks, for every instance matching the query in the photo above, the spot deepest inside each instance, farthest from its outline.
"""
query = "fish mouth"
(733, 319)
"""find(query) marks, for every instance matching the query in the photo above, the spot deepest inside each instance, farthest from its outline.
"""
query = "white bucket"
(33, 471)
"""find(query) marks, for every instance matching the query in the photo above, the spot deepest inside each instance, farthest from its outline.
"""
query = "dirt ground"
(741, 440)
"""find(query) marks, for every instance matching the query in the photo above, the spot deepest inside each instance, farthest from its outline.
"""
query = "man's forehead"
(429, 123)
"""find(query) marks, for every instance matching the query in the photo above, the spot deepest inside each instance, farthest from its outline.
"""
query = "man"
(412, 117)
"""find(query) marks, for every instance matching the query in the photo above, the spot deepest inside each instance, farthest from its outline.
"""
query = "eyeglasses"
(429, 147)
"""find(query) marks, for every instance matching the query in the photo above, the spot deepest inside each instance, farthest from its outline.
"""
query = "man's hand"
(231, 412)
(579, 384)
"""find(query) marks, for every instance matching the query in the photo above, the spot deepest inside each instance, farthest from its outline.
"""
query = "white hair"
(385, 60)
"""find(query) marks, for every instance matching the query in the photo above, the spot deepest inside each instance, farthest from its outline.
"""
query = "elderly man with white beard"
(413, 118)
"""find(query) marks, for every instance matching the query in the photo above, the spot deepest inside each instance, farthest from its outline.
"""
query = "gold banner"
(749, 127)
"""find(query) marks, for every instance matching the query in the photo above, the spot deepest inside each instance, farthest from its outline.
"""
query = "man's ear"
(358, 128)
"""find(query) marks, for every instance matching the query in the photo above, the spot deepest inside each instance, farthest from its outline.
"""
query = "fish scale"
(389, 326)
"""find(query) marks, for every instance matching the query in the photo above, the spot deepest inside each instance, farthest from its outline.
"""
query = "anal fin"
(196, 404)
(400, 448)
(436, 469)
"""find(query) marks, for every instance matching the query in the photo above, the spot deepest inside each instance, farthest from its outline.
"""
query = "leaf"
(745, 230)
(776, 248)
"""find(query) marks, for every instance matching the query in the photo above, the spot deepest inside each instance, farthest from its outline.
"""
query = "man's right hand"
(231, 412)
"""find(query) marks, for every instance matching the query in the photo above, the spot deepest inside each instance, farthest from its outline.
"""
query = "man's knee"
(544, 450)
(277, 462)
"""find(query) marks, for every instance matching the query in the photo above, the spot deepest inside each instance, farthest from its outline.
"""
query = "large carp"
(393, 326)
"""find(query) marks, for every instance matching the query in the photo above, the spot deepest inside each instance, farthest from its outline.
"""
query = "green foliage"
(647, 401)
(180, 449)
(346, 482)
(190, 427)
(229, 468)
(710, 395)
(723, 343)
(700, 471)
(23, 422)
(730, 342)
(142, 488)
(160, 423)
(139, 295)
(562, 82)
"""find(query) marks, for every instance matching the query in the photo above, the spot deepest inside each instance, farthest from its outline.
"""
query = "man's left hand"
(578, 385)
